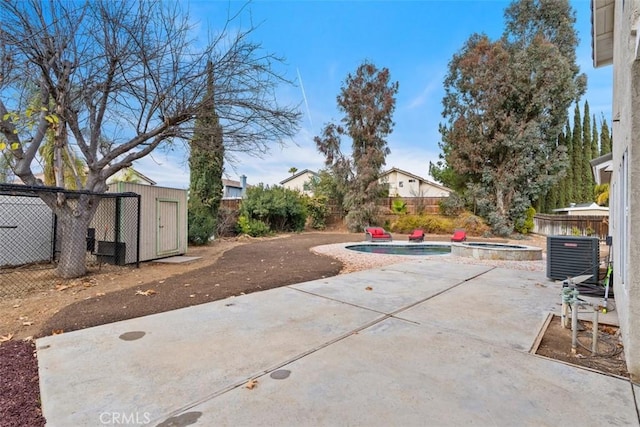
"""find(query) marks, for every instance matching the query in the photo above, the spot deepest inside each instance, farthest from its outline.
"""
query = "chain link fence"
(33, 239)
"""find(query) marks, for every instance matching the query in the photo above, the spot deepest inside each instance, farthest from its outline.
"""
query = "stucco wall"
(407, 186)
(297, 183)
(625, 184)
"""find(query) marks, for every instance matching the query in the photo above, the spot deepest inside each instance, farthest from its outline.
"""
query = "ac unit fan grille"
(569, 256)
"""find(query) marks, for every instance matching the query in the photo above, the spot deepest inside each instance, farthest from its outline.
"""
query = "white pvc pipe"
(574, 327)
(594, 331)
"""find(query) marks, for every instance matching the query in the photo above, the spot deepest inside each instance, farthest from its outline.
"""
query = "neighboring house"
(301, 182)
(616, 40)
(234, 189)
(405, 184)
(602, 167)
(130, 175)
(583, 209)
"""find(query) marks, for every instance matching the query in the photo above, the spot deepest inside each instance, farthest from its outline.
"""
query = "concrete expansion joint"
(337, 300)
(635, 399)
(256, 376)
(269, 370)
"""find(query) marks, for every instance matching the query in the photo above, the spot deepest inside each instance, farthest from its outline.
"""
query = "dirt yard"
(227, 267)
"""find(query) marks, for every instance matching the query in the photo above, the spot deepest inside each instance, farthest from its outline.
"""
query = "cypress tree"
(588, 183)
(569, 182)
(576, 162)
(595, 149)
(206, 162)
(562, 185)
(605, 138)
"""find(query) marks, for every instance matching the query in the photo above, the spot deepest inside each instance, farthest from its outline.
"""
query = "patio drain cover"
(280, 374)
(185, 419)
(132, 336)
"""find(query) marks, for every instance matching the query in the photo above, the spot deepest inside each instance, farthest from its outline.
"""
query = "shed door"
(167, 223)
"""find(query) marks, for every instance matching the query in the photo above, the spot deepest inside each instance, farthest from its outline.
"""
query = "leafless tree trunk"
(124, 77)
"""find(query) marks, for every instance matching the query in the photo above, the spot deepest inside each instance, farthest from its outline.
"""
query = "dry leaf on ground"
(368, 288)
(251, 384)
(5, 338)
(146, 293)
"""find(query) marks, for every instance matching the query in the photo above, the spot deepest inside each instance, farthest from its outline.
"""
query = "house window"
(400, 184)
(412, 180)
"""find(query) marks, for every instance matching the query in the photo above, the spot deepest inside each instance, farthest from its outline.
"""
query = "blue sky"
(323, 41)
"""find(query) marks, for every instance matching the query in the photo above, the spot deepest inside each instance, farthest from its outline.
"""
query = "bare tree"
(128, 73)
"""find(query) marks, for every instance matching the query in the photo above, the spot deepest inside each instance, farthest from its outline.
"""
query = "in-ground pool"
(413, 249)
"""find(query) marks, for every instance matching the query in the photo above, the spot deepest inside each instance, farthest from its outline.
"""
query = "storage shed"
(163, 219)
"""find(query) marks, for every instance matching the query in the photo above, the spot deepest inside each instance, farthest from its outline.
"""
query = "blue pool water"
(402, 249)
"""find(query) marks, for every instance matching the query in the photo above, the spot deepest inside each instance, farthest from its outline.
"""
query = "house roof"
(145, 179)
(231, 183)
(602, 168)
(582, 207)
(602, 17)
(435, 184)
(302, 172)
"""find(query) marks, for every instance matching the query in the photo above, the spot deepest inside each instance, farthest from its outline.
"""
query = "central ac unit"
(570, 256)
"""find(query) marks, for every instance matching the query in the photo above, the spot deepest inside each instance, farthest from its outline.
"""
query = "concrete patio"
(420, 343)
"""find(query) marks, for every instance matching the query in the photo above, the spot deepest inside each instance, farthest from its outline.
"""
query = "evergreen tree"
(595, 139)
(587, 177)
(560, 199)
(576, 162)
(569, 180)
(206, 162)
(605, 138)
(595, 152)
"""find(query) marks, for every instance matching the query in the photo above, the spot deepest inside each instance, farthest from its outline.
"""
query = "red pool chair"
(376, 234)
(459, 236)
(417, 236)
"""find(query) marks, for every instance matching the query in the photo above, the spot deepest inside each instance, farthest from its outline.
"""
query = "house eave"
(602, 20)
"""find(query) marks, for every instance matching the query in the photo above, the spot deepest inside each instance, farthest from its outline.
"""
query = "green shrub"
(280, 209)
(399, 206)
(252, 227)
(525, 225)
(318, 210)
(201, 225)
